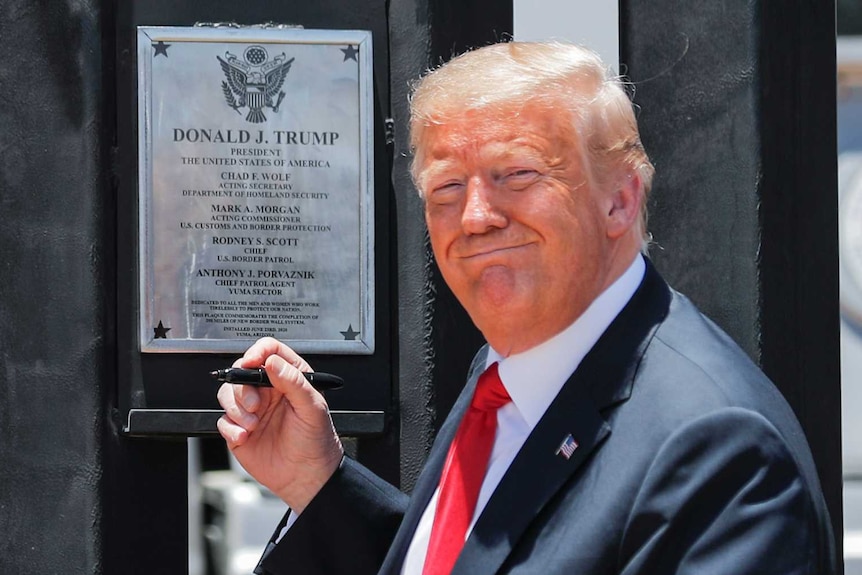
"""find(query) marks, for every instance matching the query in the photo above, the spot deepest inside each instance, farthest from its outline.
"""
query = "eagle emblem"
(254, 81)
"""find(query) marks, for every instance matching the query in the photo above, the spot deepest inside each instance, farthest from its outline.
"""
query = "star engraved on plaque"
(160, 48)
(349, 335)
(350, 53)
(160, 331)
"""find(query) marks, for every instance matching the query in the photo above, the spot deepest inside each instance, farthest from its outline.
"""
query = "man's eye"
(445, 192)
(521, 178)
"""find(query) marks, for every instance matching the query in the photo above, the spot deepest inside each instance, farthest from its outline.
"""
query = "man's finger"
(234, 435)
(235, 407)
(248, 396)
(257, 354)
(288, 379)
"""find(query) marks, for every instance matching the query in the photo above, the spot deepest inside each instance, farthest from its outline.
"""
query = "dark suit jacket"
(689, 461)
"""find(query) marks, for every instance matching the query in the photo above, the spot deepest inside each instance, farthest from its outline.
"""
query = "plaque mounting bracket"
(167, 423)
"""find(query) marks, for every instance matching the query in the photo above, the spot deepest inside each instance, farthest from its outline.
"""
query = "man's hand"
(283, 436)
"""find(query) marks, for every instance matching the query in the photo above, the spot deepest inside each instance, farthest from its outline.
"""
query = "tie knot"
(490, 393)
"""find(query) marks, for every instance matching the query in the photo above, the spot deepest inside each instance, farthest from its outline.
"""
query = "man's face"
(516, 228)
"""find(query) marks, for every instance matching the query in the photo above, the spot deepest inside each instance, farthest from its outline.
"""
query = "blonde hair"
(564, 77)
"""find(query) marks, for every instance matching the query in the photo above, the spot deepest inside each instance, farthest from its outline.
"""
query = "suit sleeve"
(724, 496)
(345, 530)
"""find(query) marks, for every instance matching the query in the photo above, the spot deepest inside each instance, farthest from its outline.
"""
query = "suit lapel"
(604, 379)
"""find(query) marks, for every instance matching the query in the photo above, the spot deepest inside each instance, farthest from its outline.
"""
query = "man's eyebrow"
(435, 168)
(516, 152)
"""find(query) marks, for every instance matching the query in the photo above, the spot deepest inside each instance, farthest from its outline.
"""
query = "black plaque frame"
(172, 395)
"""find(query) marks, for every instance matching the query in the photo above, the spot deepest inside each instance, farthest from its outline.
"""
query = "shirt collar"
(534, 377)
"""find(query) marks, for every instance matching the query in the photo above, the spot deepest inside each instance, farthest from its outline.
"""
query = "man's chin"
(493, 291)
(499, 287)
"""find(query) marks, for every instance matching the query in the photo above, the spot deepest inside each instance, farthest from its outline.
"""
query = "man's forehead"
(450, 147)
(496, 132)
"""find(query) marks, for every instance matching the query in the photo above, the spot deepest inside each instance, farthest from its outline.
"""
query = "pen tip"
(214, 374)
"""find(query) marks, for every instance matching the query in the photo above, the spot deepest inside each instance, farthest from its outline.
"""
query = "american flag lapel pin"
(567, 447)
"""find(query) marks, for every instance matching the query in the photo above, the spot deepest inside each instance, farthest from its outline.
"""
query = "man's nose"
(481, 208)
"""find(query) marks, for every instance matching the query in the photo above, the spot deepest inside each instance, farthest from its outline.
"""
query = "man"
(627, 435)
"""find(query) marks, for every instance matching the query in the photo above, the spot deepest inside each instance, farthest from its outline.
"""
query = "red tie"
(463, 474)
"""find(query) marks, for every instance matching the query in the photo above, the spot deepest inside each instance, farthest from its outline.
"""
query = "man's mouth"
(490, 251)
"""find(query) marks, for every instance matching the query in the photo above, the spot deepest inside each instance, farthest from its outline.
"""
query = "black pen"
(258, 378)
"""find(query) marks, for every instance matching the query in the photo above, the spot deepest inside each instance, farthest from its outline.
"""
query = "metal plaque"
(256, 189)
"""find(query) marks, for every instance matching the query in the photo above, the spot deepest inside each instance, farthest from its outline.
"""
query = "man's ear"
(624, 206)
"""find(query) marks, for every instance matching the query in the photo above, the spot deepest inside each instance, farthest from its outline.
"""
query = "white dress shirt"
(533, 379)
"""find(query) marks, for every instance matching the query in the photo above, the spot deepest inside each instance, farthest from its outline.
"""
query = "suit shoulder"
(692, 359)
(698, 375)
(726, 481)
(696, 339)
